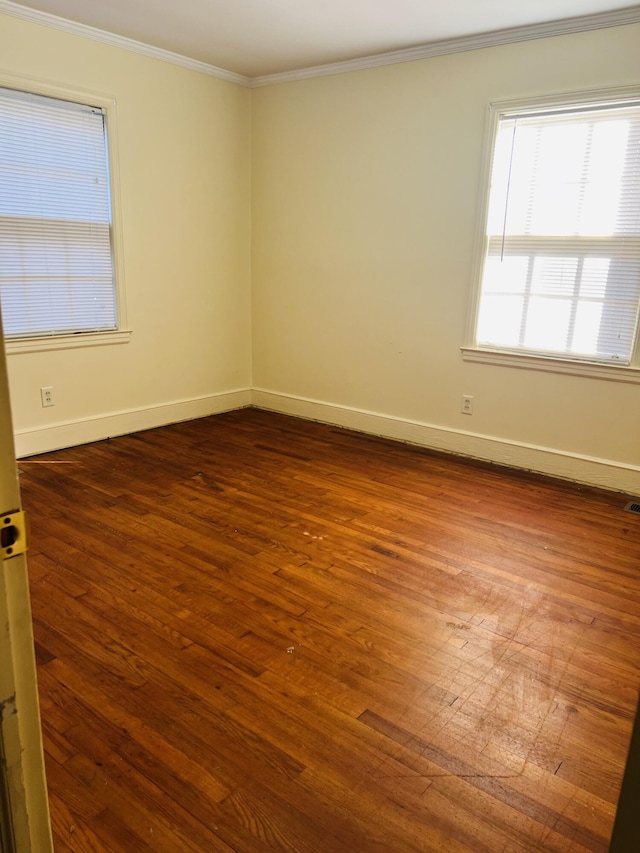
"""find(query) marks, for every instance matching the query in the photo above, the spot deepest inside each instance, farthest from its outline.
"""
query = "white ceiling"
(260, 37)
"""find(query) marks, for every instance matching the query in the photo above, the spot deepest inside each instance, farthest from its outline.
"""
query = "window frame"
(470, 350)
(107, 104)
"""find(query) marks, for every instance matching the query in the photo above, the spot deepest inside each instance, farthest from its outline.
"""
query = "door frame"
(24, 809)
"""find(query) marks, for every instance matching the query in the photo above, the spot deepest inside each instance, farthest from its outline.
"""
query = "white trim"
(503, 358)
(93, 339)
(528, 32)
(108, 104)
(604, 473)
(20, 731)
(96, 428)
(117, 232)
(34, 16)
(529, 359)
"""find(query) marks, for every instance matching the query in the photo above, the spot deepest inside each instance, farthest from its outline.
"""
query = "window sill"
(594, 370)
(93, 339)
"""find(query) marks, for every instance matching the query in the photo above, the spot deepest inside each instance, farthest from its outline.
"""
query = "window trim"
(504, 357)
(107, 103)
(531, 361)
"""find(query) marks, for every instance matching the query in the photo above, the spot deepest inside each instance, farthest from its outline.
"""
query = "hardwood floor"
(262, 634)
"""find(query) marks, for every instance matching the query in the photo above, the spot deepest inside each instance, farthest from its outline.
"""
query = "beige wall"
(337, 217)
(364, 216)
(184, 155)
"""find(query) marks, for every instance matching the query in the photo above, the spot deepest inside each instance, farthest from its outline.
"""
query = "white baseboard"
(590, 470)
(70, 433)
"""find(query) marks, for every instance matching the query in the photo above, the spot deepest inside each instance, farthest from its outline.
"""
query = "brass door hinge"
(13, 534)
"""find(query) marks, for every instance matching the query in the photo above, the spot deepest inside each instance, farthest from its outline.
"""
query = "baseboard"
(70, 433)
(589, 470)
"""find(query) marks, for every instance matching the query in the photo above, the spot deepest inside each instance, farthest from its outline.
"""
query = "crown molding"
(25, 13)
(528, 32)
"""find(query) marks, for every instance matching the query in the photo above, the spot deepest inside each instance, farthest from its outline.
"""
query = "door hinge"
(13, 534)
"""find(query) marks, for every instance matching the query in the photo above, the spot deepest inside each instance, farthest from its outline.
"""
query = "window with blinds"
(56, 264)
(561, 272)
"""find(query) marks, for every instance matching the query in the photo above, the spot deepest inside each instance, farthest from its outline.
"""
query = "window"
(560, 276)
(57, 267)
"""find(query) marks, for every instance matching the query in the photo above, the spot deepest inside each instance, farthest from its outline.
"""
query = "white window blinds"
(561, 274)
(56, 268)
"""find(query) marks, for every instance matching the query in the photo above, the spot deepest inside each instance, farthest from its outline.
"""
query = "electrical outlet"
(46, 394)
(467, 404)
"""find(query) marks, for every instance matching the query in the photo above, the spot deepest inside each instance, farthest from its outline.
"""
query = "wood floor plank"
(255, 633)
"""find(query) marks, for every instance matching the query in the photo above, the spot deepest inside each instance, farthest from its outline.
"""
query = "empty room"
(322, 378)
